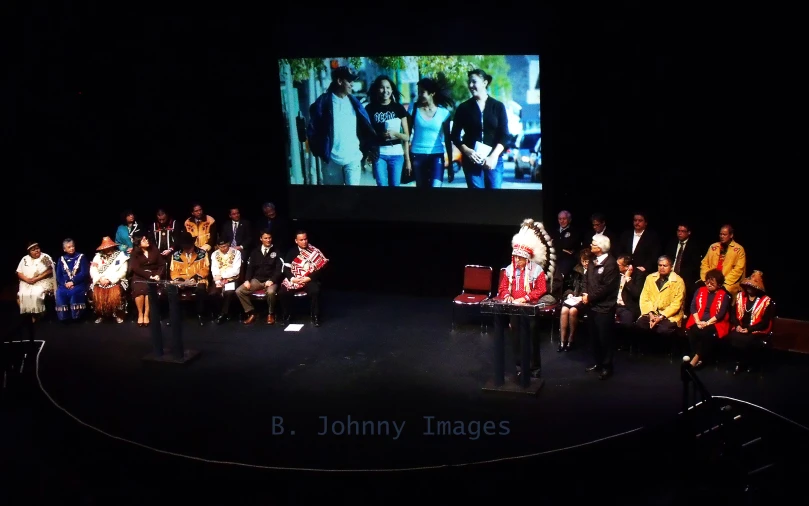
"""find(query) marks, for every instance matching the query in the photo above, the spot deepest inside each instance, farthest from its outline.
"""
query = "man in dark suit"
(599, 224)
(566, 242)
(265, 271)
(642, 243)
(687, 255)
(275, 225)
(237, 232)
(627, 310)
(600, 296)
(629, 289)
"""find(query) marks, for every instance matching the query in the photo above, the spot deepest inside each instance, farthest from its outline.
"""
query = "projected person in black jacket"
(484, 123)
(265, 268)
(303, 267)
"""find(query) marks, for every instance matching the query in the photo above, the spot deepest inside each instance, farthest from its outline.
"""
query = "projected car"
(527, 156)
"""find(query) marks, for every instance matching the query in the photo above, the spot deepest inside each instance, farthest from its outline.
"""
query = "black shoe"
(593, 368)
(605, 373)
(568, 346)
(536, 373)
(201, 321)
(221, 319)
(316, 321)
(561, 347)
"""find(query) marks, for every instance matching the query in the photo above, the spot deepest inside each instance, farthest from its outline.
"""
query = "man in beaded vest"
(302, 269)
(164, 232)
(524, 282)
(72, 281)
(751, 321)
(226, 266)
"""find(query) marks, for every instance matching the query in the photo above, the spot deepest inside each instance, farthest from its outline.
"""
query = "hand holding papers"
(572, 301)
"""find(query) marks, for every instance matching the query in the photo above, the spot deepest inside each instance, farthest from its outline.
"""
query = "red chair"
(477, 287)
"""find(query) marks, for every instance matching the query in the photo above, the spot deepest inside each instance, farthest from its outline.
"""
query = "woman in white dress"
(36, 279)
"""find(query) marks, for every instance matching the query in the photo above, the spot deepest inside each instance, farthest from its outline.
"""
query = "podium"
(523, 383)
(177, 353)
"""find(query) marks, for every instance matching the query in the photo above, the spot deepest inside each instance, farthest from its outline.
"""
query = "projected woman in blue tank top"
(431, 148)
(390, 122)
(484, 123)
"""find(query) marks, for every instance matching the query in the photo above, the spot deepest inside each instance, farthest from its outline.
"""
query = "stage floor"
(376, 358)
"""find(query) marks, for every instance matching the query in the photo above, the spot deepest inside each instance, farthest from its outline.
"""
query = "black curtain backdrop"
(685, 118)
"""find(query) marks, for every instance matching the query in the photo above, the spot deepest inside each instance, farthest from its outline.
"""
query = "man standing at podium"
(523, 283)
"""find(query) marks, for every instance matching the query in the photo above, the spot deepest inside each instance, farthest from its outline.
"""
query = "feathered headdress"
(535, 244)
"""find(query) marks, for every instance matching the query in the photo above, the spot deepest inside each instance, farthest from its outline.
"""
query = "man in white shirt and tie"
(265, 269)
(687, 257)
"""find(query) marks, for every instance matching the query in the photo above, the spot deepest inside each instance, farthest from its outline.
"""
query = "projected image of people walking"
(413, 121)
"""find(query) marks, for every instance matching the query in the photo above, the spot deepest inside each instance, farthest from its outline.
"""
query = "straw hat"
(107, 243)
(756, 280)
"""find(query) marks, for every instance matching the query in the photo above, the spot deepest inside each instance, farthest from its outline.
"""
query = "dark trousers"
(746, 346)
(200, 297)
(227, 298)
(520, 326)
(701, 340)
(663, 327)
(602, 335)
(312, 289)
(624, 315)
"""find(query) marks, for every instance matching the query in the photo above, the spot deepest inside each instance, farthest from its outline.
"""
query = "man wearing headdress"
(108, 272)
(305, 264)
(750, 321)
(190, 263)
(72, 282)
(524, 282)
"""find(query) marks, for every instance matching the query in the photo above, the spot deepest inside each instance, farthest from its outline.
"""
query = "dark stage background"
(684, 118)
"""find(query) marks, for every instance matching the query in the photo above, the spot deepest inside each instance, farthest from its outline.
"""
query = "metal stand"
(178, 353)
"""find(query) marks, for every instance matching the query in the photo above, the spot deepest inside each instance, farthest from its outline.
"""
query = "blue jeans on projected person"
(477, 176)
(388, 170)
(335, 174)
(428, 170)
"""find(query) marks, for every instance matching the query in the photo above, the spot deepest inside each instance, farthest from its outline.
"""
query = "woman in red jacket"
(710, 318)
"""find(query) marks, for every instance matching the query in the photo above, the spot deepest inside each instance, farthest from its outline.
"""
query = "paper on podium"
(572, 301)
(229, 287)
(483, 149)
(293, 327)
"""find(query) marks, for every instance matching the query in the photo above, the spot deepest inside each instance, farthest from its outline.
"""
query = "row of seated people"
(657, 303)
(240, 233)
(691, 260)
(113, 275)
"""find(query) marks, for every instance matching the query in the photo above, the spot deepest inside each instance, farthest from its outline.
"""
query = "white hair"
(603, 242)
(565, 213)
